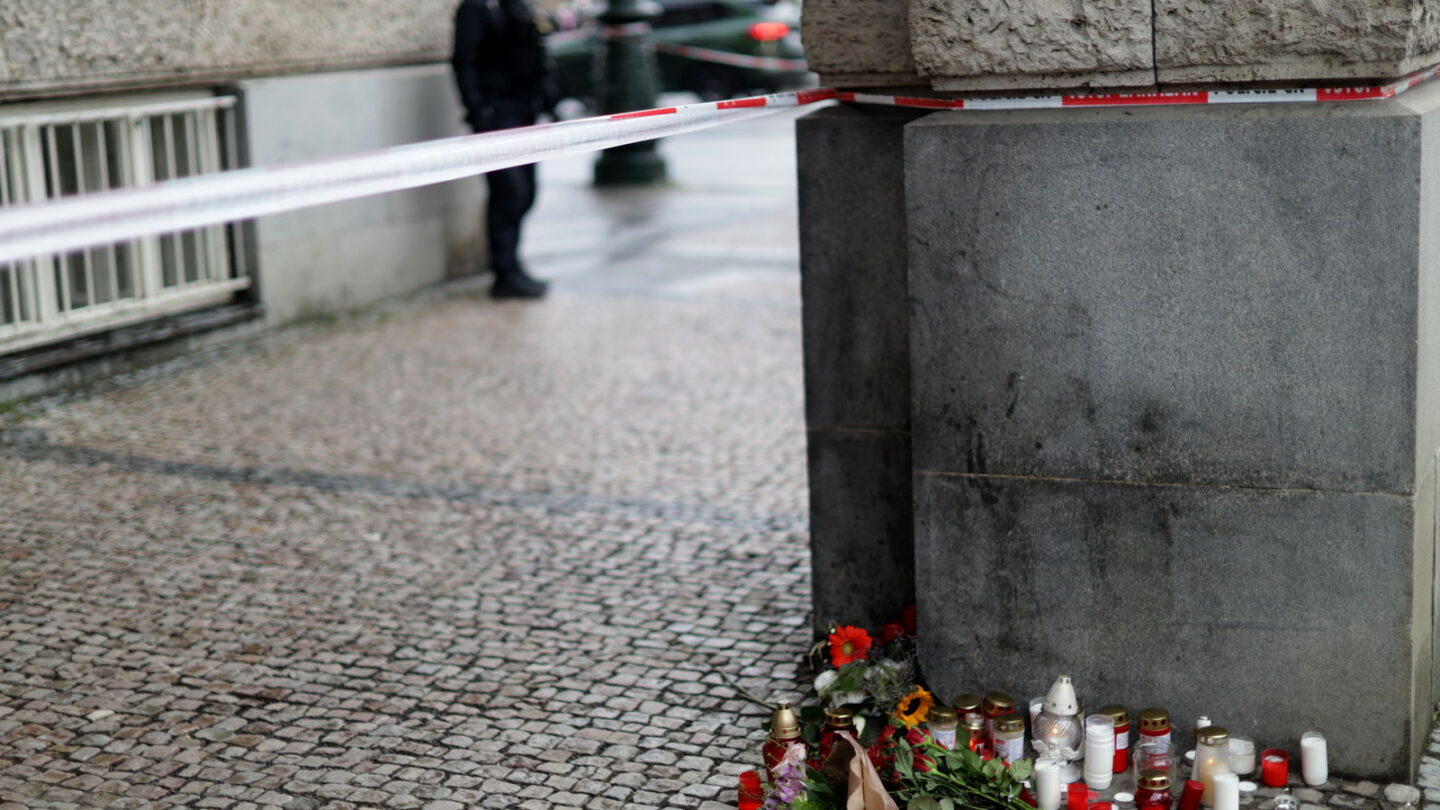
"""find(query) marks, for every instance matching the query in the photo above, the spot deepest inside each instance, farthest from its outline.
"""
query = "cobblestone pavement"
(446, 554)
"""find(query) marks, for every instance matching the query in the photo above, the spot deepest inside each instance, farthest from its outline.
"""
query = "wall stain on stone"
(1084, 398)
(1150, 426)
(976, 463)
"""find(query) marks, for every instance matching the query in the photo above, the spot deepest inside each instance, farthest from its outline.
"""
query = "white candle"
(1099, 751)
(1227, 791)
(1047, 784)
(1314, 760)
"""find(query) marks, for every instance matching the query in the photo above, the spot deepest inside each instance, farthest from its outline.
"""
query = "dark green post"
(628, 81)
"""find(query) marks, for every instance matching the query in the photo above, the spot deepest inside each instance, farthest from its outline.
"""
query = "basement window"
(56, 149)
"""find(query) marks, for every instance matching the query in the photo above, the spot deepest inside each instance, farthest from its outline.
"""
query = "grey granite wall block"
(857, 367)
(862, 562)
(1175, 411)
(1256, 607)
(1213, 295)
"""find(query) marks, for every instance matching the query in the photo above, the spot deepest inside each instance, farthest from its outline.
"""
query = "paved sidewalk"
(445, 554)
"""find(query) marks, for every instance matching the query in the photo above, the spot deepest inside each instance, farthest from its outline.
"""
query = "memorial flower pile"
(871, 735)
(888, 756)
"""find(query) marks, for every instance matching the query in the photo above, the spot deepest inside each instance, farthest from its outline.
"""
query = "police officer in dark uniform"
(505, 81)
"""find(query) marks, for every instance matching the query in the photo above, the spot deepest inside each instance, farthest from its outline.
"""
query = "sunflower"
(912, 708)
(848, 644)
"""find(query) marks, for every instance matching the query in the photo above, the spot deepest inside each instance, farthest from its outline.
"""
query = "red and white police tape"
(645, 30)
(72, 223)
(1186, 97)
(743, 60)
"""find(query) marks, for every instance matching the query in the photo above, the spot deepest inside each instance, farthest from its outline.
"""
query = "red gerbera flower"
(848, 644)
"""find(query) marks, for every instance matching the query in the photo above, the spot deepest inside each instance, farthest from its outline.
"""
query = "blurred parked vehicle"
(745, 27)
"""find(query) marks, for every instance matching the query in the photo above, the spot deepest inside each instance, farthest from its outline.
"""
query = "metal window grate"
(47, 153)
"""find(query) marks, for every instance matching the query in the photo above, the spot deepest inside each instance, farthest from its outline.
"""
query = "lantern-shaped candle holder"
(1059, 731)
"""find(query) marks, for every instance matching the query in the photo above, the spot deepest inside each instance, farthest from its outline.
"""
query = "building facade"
(97, 95)
(1145, 395)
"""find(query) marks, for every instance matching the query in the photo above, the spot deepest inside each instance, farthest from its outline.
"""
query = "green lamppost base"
(628, 81)
(623, 165)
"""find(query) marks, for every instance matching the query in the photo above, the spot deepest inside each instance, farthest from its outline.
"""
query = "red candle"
(750, 794)
(1274, 767)
(1077, 796)
(1190, 797)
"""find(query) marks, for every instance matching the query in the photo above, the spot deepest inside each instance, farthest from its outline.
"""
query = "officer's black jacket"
(500, 63)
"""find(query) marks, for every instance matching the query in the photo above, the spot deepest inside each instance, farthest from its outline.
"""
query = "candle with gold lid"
(996, 704)
(1212, 756)
(837, 719)
(784, 732)
(966, 704)
(1153, 791)
(1122, 735)
(1010, 737)
(1155, 723)
(975, 738)
(943, 725)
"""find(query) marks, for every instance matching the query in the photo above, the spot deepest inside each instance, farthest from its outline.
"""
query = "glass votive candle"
(1241, 754)
(1153, 754)
(1286, 802)
(1274, 767)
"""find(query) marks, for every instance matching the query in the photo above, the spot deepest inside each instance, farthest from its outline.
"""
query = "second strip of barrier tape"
(72, 223)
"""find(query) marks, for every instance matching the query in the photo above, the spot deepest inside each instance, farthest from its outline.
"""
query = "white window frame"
(142, 123)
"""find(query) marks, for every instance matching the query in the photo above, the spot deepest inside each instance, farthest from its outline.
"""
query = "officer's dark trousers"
(512, 193)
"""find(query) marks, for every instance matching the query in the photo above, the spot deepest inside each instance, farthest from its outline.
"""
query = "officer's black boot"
(516, 283)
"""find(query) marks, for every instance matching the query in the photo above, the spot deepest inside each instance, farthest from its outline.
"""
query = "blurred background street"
(442, 552)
